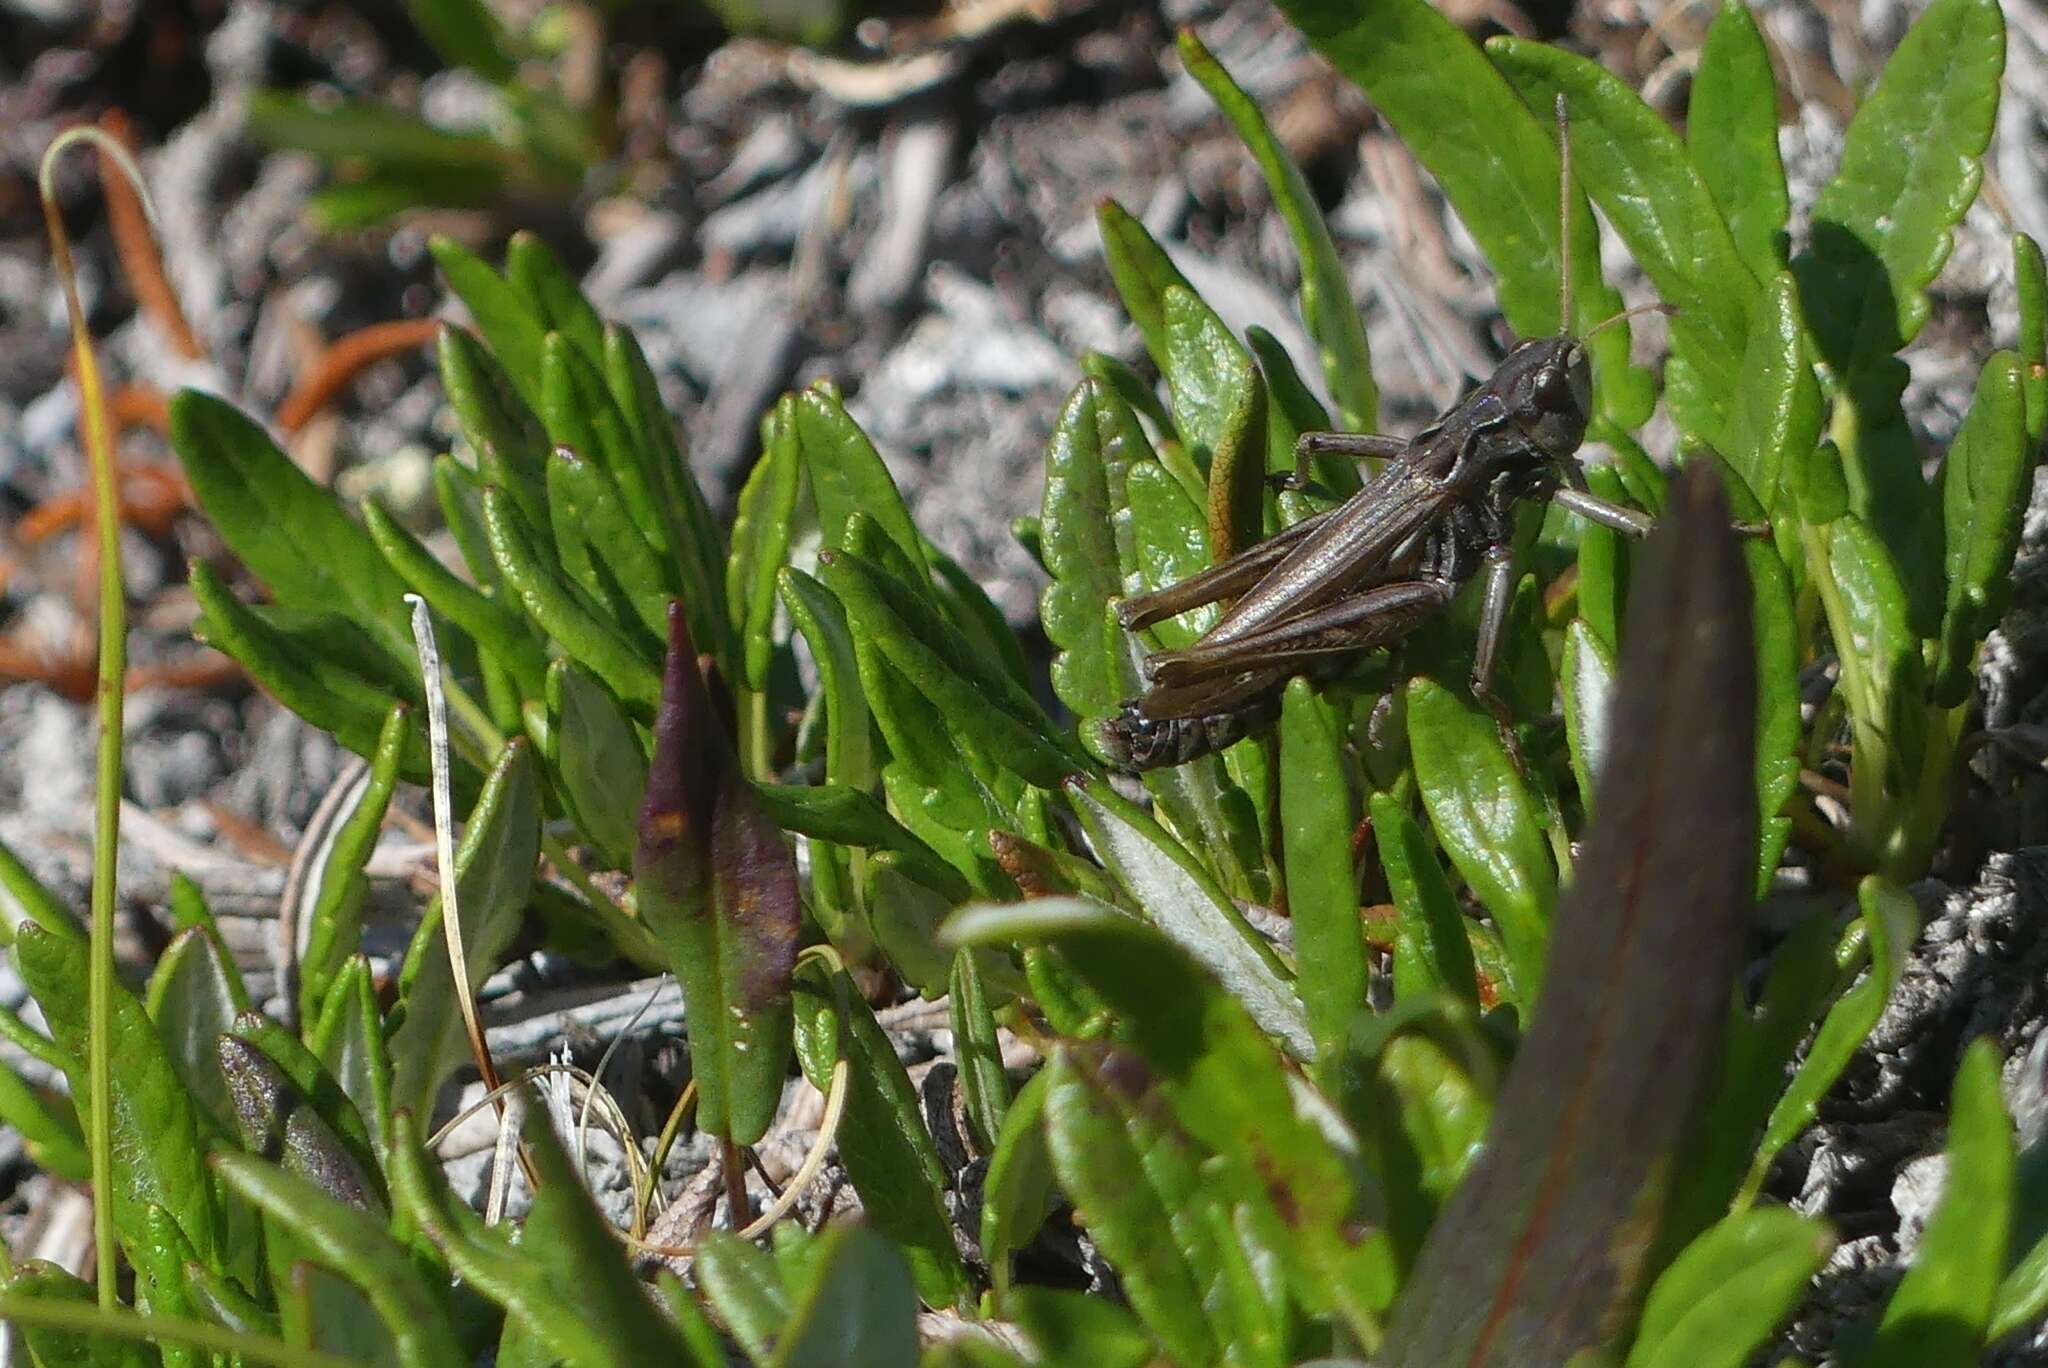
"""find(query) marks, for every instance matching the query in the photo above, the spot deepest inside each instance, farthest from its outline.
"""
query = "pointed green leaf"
(1984, 486)
(1017, 1194)
(551, 293)
(1142, 272)
(740, 1281)
(498, 631)
(1729, 1290)
(761, 533)
(497, 421)
(502, 315)
(194, 995)
(977, 1051)
(847, 475)
(860, 1310)
(1316, 820)
(349, 1042)
(599, 760)
(335, 885)
(1433, 950)
(1731, 130)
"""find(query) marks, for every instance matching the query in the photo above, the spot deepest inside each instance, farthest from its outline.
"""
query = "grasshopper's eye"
(1553, 386)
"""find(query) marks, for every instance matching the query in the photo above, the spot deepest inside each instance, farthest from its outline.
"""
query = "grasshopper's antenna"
(1564, 219)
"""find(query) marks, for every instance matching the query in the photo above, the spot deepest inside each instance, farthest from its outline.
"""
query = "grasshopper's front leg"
(1493, 627)
(1631, 522)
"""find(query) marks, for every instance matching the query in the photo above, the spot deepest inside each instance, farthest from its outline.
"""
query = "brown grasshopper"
(1366, 573)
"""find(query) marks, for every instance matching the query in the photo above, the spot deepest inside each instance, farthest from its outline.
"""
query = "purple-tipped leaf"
(716, 884)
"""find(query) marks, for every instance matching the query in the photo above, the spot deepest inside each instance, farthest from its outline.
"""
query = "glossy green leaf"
(497, 630)
(1731, 130)
(1984, 485)
(1537, 1254)
(2030, 276)
(1219, 405)
(1871, 621)
(158, 1254)
(349, 1042)
(602, 549)
(1135, 1179)
(22, 895)
(1137, 393)
(1910, 168)
(969, 607)
(1017, 1193)
(1638, 172)
(1486, 821)
(717, 886)
(494, 869)
(847, 475)
(888, 1153)
(1316, 821)
(977, 1052)
(1729, 1290)
(1291, 410)
(504, 318)
(1074, 1327)
(550, 292)
(611, 1319)
(336, 884)
(835, 812)
(761, 532)
(1432, 950)
(860, 1310)
(354, 1243)
(466, 34)
(1420, 1084)
(561, 610)
(1938, 1314)
(159, 1131)
(1142, 272)
(975, 696)
(1586, 679)
(905, 915)
(1890, 923)
(1191, 911)
(578, 411)
(497, 420)
(1495, 160)
(1775, 414)
(1326, 307)
(195, 994)
(250, 489)
(598, 760)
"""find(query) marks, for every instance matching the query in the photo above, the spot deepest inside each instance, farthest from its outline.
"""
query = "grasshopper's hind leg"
(1357, 446)
(1166, 727)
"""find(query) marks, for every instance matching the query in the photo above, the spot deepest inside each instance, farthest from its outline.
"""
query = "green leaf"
(1984, 486)
(1890, 923)
(1326, 306)
(466, 34)
(2030, 277)
(977, 1051)
(47, 1124)
(740, 1281)
(158, 1129)
(1909, 171)
(848, 477)
(497, 630)
(31, 900)
(1433, 950)
(288, 1107)
(888, 1154)
(1136, 1183)
(976, 696)
(503, 316)
(761, 533)
(1219, 404)
(1134, 390)
(1176, 896)
(1072, 1327)
(562, 611)
(1142, 272)
(834, 812)
(550, 292)
(1017, 1193)
(1586, 679)
(1637, 171)
(610, 1320)
(905, 915)
(1731, 130)
(494, 867)
(717, 886)
(859, 1311)
(349, 1042)
(195, 994)
(1316, 821)
(1775, 418)
(1729, 1290)
(355, 1244)
(598, 759)
(1496, 164)
(250, 490)
(497, 421)
(1291, 410)
(1938, 1314)
(849, 734)
(357, 130)
(1538, 1253)
(580, 414)
(335, 885)
(601, 548)
(48, 1347)
(1486, 821)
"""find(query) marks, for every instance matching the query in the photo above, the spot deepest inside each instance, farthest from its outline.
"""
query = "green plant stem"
(1869, 750)
(113, 666)
(89, 1320)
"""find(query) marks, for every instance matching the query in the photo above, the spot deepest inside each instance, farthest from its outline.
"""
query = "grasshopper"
(1365, 574)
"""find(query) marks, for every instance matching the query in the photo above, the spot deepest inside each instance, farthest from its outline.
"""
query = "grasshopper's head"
(1547, 387)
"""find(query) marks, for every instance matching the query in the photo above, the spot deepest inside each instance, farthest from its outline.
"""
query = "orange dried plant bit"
(71, 675)
(141, 262)
(152, 496)
(203, 670)
(341, 362)
(134, 406)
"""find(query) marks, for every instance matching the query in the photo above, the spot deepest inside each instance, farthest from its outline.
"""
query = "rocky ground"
(924, 234)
